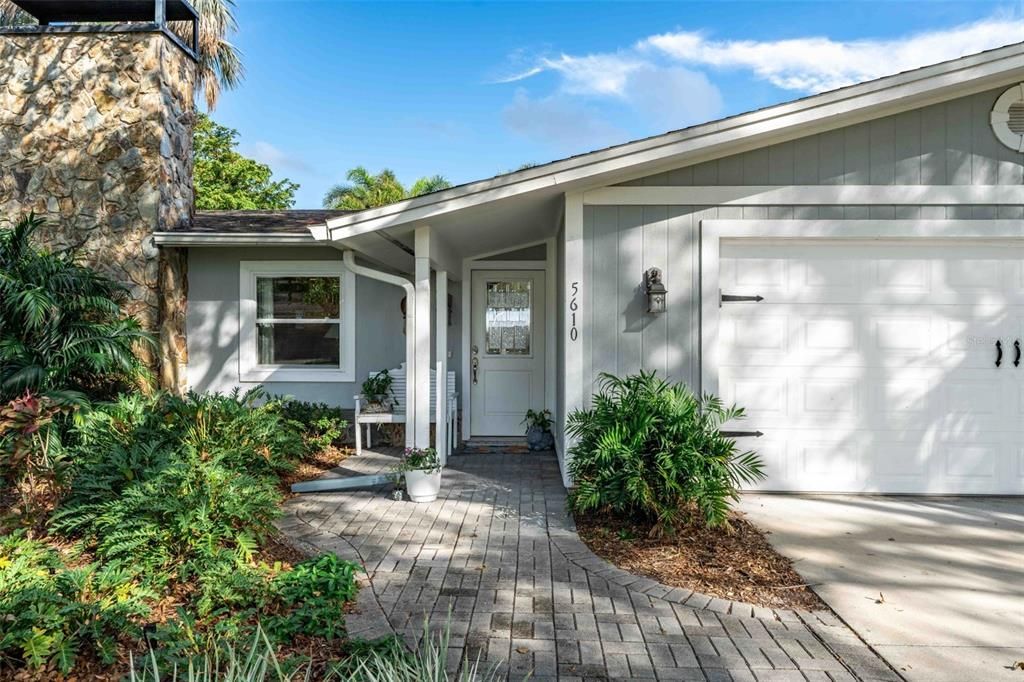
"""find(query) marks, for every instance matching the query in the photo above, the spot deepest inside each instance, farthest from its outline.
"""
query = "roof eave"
(181, 238)
(831, 109)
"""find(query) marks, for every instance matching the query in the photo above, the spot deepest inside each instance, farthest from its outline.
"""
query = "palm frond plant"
(366, 190)
(651, 449)
(61, 327)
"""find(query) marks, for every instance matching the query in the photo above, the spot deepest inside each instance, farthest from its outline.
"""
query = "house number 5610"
(574, 332)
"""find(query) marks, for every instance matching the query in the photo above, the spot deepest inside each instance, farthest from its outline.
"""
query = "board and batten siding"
(949, 143)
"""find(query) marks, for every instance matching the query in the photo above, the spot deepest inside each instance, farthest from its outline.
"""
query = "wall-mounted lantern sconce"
(655, 291)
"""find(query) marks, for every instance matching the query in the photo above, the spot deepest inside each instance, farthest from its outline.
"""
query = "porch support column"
(421, 409)
(576, 322)
(441, 353)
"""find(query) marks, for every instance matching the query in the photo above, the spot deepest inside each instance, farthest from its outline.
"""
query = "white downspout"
(349, 259)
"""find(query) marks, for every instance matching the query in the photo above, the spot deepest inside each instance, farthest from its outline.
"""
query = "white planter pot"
(423, 485)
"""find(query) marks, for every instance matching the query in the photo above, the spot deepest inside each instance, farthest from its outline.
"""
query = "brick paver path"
(498, 550)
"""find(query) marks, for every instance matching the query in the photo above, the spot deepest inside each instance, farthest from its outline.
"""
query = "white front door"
(871, 367)
(507, 350)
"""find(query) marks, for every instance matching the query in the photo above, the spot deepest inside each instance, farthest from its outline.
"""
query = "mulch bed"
(737, 564)
(314, 466)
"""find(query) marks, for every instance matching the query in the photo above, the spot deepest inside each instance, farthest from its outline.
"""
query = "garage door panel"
(972, 274)
(814, 461)
(831, 334)
(898, 460)
(870, 368)
(975, 459)
(831, 397)
(911, 276)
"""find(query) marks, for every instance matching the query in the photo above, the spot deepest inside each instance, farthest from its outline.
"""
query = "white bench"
(397, 413)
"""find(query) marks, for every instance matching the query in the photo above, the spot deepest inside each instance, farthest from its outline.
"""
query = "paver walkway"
(499, 551)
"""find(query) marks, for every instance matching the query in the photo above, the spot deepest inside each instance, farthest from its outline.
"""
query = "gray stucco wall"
(944, 144)
(212, 322)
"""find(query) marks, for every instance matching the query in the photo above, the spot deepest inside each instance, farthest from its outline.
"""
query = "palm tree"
(365, 190)
(220, 64)
(61, 327)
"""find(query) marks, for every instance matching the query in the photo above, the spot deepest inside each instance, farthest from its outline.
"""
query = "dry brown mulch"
(314, 466)
(737, 564)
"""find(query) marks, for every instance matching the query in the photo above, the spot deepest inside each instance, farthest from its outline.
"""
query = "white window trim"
(249, 369)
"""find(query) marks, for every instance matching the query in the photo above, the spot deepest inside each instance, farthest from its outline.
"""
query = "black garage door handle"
(999, 353)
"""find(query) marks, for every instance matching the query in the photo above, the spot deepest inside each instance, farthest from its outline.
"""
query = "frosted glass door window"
(509, 307)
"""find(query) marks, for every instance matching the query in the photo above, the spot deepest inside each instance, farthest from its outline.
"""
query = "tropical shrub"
(31, 454)
(52, 613)
(61, 326)
(180, 490)
(313, 594)
(323, 425)
(652, 449)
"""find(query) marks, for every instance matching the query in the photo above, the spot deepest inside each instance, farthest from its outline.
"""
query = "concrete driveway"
(935, 585)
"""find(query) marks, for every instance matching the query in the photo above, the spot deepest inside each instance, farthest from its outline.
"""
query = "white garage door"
(870, 367)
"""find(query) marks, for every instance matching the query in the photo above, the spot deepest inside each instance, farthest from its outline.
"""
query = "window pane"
(289, 343)
(508, 318)
(298, 298)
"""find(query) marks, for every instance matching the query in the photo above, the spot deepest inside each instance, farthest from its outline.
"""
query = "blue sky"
(469, 90)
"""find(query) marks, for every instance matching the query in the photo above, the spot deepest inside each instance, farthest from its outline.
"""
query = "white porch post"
(421, 408)
(441, 352)
(576, 316)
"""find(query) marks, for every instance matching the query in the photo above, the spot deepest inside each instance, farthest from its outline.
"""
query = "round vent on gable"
(1008, 118)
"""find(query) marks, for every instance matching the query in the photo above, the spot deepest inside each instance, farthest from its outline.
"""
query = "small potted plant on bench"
(538, 430)
(422, 470)
(377, 391)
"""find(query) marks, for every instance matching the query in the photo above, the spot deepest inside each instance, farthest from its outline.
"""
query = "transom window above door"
(508, 317)
(296, 321)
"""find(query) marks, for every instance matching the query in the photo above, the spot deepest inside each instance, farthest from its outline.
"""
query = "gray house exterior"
(848, 267)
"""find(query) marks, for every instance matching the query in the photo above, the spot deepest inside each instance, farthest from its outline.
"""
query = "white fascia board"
(881, 229)
(231, 239)
(828, 110)
(807, 195)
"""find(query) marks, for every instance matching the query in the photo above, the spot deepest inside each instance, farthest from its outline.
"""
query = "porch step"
(514, 445)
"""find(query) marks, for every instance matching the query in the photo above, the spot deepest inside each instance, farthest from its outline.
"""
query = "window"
(296, 321)
(507, 317)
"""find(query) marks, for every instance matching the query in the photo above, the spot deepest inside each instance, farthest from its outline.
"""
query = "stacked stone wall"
(96, 136)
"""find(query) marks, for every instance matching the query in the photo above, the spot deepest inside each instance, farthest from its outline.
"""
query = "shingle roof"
(250, 222)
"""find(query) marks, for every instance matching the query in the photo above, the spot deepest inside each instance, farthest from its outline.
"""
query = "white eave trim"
(828, 110)
(232, 239)
(808, 195)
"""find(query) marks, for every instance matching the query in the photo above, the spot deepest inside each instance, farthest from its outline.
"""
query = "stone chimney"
(96, 136)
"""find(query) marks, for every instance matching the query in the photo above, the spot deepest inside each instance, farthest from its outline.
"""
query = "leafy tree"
(220, 64)
(61, 327)
(365, 190)
(224, 179)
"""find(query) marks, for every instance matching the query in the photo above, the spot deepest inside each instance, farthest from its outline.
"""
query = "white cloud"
(814, 64)
(264, 152)
(673, 97)
(663, 78)
(559, 121)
